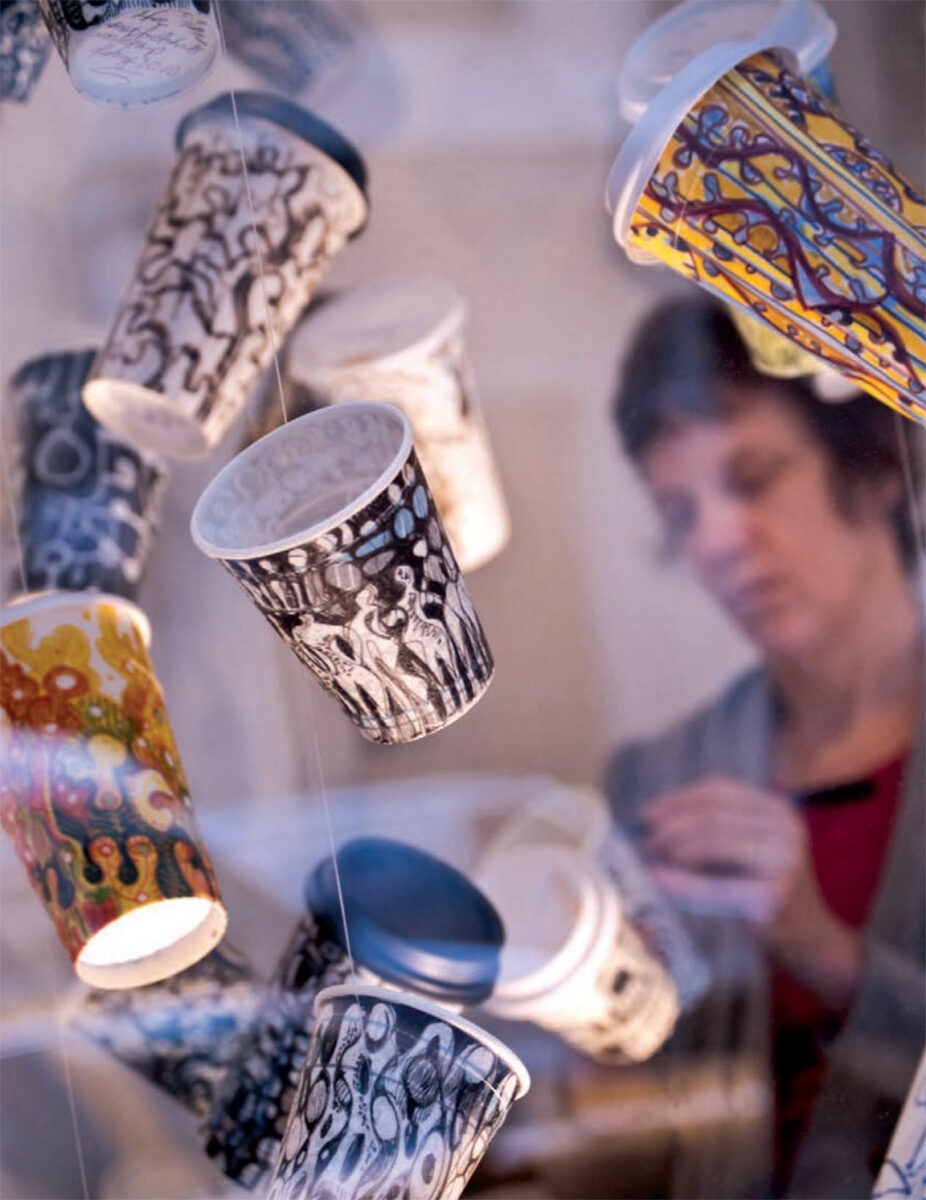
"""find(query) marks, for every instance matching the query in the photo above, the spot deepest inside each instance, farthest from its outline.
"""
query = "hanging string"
(279, 379)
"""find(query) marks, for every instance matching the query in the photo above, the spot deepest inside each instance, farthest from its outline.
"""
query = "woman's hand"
(724, 846)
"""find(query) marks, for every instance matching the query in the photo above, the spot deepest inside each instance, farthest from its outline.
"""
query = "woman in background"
(789, 812)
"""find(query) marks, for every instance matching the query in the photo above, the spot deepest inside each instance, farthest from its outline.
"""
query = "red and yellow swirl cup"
(742, 177)
(92, 791)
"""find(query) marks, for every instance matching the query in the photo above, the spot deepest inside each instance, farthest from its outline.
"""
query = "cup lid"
(412, 919)
(376, 322)
(292, 117)
(689, 29)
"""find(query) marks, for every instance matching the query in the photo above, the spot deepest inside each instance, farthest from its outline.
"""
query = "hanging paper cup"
(93, 794)
(183, 1034)
(741, 177)
(452, 957)
(24, 47)
(87, 501)
(399, 1097)
(192, 335)
(129, 52)
(329, 527)
(572, 962)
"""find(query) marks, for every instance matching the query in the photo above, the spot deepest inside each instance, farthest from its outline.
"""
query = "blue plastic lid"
(413, 920)
(289, 116)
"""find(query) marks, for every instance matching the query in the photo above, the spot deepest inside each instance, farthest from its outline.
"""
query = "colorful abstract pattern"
(185, 1033)
(193, 324)
(435, 391)
(88, 501)
(394, 1102)
(247, 1123)
(376, 606)
(92, 791)
(767, 197)
(24, 49)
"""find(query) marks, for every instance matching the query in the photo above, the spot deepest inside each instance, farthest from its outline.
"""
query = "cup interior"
(301, 480)
(152, 942)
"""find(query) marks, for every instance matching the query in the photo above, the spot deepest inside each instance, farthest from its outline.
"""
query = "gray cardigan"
(872, 1060)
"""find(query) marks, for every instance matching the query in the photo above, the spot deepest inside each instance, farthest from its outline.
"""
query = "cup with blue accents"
(329, 526)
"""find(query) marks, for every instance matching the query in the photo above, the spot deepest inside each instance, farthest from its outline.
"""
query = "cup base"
(143, 56)
(145, 418)
(105, 967)
(414, 724)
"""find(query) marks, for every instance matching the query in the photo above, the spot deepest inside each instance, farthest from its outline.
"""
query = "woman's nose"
(720, 537)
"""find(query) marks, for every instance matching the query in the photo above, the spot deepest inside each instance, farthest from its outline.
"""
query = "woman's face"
(748, 500)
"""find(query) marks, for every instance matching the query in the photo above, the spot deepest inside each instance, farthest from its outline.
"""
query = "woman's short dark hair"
(687, 362)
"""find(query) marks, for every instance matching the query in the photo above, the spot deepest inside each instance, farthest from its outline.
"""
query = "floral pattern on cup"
(24, 49)
(185, 1033)
(88, 501)
(767, 197)
(397, 1099)
(192, 333)
(92, 790)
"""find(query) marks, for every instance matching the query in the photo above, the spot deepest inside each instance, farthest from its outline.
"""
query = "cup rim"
(213, 550)
(637, 158)
(799, 25)
(411, 1000)
(29, 604)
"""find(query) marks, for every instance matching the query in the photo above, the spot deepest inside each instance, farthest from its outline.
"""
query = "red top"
(848, 842)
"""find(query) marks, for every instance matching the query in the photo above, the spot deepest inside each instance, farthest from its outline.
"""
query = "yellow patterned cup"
(92, 791)
(742, 178)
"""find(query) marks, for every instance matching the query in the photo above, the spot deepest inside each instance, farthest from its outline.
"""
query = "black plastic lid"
(413, 920)
(289, 116)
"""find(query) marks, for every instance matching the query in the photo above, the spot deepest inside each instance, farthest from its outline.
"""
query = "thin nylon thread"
(279, 378)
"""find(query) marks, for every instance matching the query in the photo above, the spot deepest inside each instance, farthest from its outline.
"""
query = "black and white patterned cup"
(133, 52)
(24, 48)
(192, 333)
(246, 1123)
(401, 342)
(451, 957)
(329, 526)
(88, 502)
(183, 1034)
(399, 1097)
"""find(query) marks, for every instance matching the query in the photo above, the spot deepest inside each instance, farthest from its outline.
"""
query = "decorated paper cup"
(450, 956)
(741, 177)
(183, 1034)
(398, 1097)
(571, 962)
(329, 526)
(88, 501)
(192, 334)
(128, 52)
(93, 793)
(24, 47)
(401, 341)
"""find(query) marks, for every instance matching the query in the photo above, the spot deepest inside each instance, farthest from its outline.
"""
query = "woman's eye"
(750, 482)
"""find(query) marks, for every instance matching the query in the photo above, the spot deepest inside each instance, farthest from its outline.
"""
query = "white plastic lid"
(670, 43)
(696, 67)
(378, 321)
